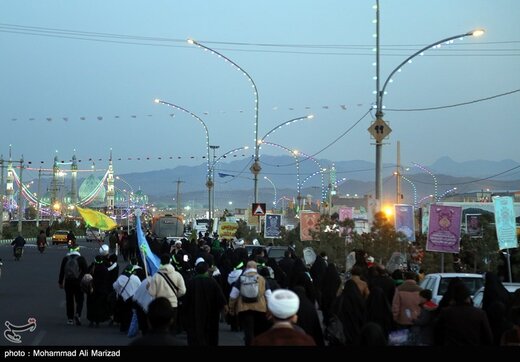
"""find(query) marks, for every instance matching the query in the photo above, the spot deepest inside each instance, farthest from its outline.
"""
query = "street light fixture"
(209, 182)
(255, 168)
(379, 129)
(310, 116)
(274, 187)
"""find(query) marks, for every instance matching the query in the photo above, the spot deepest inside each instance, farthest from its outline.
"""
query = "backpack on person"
(72, 270)
(249, 288)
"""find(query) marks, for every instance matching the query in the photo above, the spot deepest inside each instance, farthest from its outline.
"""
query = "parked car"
(250, 249)
(277, 252)
(438, 283)
(479, 295)
(94, 235)
(60, 237)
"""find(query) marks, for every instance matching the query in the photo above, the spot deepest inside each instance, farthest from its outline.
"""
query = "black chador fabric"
(203, 301)
(354, 312)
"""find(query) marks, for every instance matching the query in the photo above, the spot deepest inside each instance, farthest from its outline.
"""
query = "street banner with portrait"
(505, 222)
(444, 229)
(272, 226)
(309, 221)
(474, 225)
(346, 213)
(404, 221)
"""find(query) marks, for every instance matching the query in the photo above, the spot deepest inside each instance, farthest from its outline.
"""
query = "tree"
(381, 241)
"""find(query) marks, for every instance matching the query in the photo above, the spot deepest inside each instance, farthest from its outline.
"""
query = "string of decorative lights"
(296, 154)
(435, 183)
(342, 107)
(413, 188)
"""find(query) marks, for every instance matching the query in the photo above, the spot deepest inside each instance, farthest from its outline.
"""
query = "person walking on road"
(73, 267)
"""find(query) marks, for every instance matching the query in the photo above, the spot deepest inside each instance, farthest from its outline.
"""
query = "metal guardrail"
(33, 240)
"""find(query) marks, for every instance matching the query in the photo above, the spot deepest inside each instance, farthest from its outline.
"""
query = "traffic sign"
(258, 209)
(379, 130)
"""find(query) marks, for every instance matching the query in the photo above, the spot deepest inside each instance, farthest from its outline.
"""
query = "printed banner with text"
(444, 229)
(505, 222)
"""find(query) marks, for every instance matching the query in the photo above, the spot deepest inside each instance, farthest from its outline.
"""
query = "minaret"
(74, 184)
(110, 186)
(9, 186)
(54, 184)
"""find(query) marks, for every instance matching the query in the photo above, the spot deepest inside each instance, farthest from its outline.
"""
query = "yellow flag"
(97, 219)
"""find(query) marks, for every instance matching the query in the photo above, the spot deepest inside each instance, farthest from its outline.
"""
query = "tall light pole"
(380, 129)
(209, 181)
(128, 194)
(255, 168)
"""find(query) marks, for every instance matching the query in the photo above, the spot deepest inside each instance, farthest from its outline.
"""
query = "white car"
(479, 295)
(438, 283)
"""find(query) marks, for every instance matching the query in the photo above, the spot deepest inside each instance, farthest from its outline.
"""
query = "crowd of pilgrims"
(200, 279)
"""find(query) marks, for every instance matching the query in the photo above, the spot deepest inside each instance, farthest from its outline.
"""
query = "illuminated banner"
(227, 229)
(474, 225)
(346, 213)
(272, 225)
(444, 229)
(404, 221)
(309, 221)
(505, 222)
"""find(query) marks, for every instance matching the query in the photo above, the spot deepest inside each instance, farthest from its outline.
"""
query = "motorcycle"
(18, 252)
(41, 246)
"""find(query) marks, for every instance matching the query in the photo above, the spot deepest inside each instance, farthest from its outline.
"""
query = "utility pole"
(178, 195)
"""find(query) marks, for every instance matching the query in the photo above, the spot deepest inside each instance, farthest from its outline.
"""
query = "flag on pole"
(152, 260)
(97, 219)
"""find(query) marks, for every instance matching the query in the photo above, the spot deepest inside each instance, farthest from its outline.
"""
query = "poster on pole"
(474, 226)
(272, 226)
(444, 229)
(346, 213)
(309, 221)
(404, 221)
(505, 222)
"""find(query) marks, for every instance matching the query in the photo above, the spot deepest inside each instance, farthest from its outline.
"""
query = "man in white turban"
(283, 305)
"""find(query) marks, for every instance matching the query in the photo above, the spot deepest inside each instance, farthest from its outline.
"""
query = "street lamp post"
(379, 129)
(255, 168)
(209, 181)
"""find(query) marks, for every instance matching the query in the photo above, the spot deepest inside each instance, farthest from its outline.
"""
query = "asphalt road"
(29, 289)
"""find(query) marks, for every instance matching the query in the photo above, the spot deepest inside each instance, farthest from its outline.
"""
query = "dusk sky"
(82, 75)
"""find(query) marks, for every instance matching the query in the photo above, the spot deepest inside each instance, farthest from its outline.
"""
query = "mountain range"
(233, 180)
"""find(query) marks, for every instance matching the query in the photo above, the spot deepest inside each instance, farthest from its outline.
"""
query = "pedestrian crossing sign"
(258, 209)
